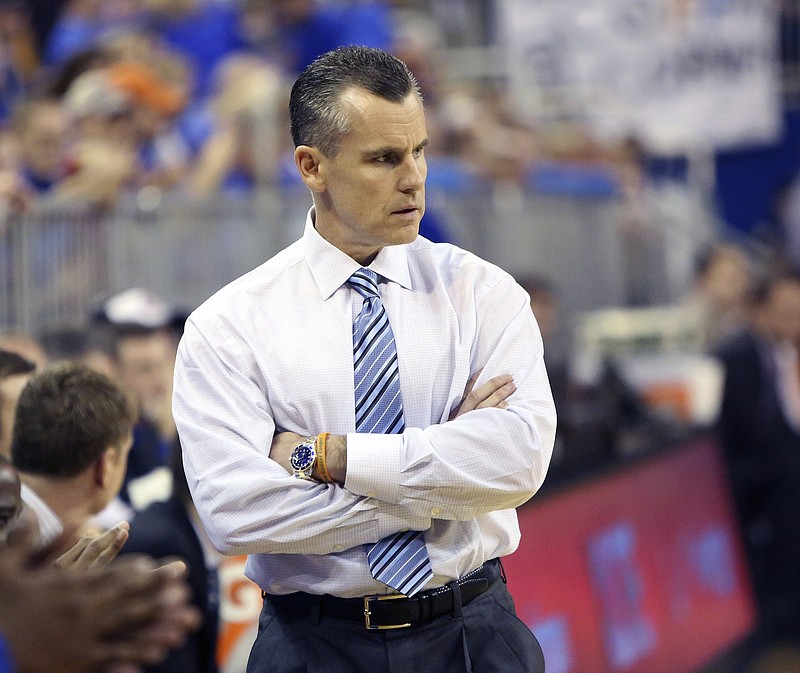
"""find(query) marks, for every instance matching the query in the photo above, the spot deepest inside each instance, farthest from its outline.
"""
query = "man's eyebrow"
(380, 151)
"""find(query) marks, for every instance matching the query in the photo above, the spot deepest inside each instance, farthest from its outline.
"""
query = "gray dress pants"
(485, 636)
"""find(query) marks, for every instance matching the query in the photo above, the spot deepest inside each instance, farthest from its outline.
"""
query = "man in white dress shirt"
(265, 393)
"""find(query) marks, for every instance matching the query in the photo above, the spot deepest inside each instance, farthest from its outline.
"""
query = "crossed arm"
(492, 394)
(464, 456)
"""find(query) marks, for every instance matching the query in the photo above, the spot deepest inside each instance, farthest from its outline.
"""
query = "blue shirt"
(327, 28)
(6, 664)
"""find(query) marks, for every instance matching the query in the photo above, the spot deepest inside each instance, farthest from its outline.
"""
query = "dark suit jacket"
(164, 529)
(762, 449)
(149, 452)
(763, 455)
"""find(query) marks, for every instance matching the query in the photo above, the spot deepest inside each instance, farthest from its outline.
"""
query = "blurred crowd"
(743, 312)
(90, 468)
(113, 97)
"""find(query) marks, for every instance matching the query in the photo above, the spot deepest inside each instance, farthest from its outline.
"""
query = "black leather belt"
(380, 612)
(395, 611)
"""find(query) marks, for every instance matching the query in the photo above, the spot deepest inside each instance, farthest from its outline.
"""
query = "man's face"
(117, 465)
(43, 140)
(10, 390)
(545, 310)
(372, 192)
(727, 280)
(783, 310)
(145, 365)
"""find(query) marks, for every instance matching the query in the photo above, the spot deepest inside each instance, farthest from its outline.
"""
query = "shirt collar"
(50, 526)
(331, 267)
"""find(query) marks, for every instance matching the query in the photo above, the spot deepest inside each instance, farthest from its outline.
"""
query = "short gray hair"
(315, 115)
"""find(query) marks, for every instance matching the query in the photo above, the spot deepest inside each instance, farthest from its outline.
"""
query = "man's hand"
(94, 551)
(116, 617)
(150, 641)
(492, 394)
(283, 444)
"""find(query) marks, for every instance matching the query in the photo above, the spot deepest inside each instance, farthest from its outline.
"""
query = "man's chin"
(408, 234)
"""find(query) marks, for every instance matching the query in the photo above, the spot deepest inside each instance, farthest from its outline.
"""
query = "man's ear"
(103, 466)
(308, 160)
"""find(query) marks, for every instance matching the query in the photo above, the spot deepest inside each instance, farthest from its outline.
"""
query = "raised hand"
(93, 551)
(108, 618)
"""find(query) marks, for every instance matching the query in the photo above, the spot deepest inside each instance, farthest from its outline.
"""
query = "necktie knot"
(365, 283)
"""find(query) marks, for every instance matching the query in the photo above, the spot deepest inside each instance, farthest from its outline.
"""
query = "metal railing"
(57, 265)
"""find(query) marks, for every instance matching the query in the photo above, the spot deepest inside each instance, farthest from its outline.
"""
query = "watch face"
(302, 457)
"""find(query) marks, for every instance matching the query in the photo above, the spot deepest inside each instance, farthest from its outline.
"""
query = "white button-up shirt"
(50, 525)
(273, 351)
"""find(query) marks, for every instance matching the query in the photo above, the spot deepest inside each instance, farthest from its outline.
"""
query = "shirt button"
(275, 587)
(435, 511)
(370, 494)
(338, 547)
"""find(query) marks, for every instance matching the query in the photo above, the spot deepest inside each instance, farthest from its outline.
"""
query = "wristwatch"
(304, 458)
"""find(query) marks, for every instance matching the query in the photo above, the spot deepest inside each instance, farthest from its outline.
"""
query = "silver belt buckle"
(368, 613)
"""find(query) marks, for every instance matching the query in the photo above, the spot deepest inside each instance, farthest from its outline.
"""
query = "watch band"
(322, 458)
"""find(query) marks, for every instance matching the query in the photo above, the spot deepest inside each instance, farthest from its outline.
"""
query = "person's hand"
(492, 394)
(111, 618)
(93, 551)
(283, 444)
(150, 642)
(15, 196)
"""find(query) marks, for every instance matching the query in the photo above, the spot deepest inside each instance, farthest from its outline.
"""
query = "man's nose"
(414, 171)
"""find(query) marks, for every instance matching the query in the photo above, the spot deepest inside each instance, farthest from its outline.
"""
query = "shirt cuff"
(373, 465)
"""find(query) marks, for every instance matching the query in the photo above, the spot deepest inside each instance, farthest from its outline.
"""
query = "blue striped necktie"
(400, 560)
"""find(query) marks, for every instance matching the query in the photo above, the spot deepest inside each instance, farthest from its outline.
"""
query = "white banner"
(676, 74)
